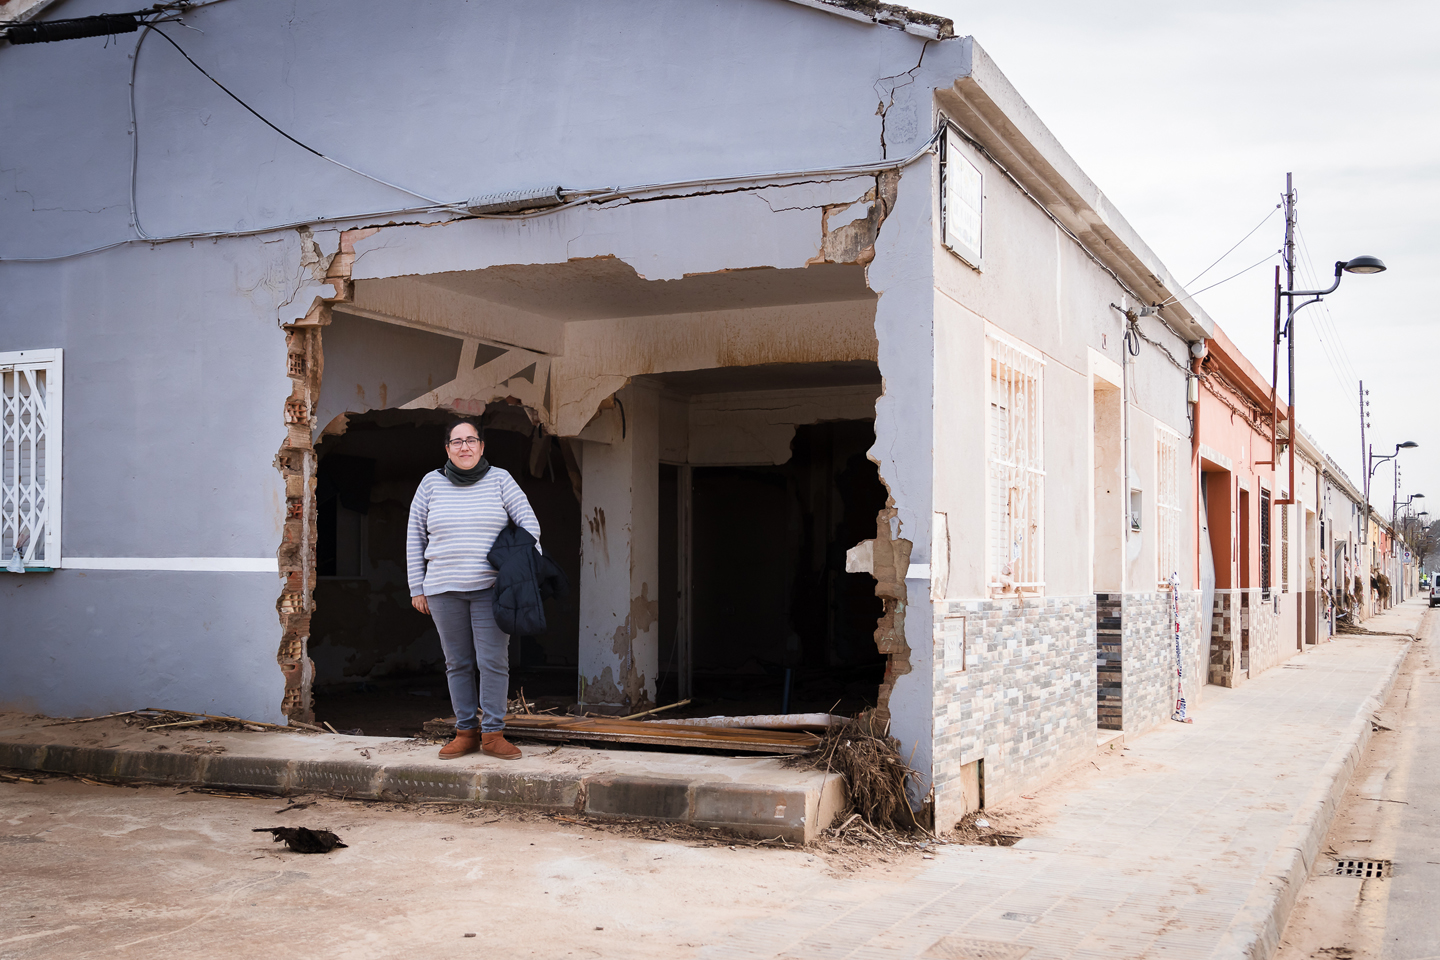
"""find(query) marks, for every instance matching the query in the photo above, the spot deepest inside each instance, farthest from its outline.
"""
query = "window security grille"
(30, 458)
(1284, 549)
(1264, 544)
(1168, 508)
(1016, 474)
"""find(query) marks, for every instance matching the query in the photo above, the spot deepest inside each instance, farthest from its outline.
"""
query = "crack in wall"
(883, 107)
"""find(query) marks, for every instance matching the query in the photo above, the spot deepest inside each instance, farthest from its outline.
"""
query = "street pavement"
(1391, 812)
(1187, 849)
(1190, 843)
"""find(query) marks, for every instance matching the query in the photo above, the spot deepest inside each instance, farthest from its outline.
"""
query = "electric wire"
(1329, 337)
(1240, 241)
(1326, 317)
(135, 129)
(1190, 296)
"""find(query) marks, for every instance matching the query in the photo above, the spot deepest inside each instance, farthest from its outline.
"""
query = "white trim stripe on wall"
(202, 564)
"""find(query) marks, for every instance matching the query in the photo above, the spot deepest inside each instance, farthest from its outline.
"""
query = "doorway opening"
(378, 663)
(753, 560)
(1107, 563)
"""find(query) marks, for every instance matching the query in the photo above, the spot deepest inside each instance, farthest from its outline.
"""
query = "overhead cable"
(1240, 241)
(135, 131)
(1191, 296)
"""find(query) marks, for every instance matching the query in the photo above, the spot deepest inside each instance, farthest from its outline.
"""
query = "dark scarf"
(463, 478)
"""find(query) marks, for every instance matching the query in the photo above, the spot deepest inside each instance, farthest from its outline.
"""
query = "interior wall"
(364, 627)
(770, 586)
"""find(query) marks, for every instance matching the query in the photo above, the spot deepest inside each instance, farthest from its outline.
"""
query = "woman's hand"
(421, 604)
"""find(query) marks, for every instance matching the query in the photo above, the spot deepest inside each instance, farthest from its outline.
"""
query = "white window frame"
(1169, 504)
(962, 202)
(1015, 475)
(40, 553)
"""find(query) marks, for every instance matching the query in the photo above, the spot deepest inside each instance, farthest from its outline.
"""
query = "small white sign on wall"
(964, 202)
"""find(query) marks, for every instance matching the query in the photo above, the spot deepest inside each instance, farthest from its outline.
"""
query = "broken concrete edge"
(1256, 931)
(793, 814)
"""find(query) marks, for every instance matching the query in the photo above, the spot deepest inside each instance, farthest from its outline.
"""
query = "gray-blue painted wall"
(175, 362)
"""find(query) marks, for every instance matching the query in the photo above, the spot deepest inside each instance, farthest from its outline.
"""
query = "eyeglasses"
(464, 442)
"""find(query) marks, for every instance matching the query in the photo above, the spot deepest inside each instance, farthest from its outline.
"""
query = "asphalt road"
(1391, 812)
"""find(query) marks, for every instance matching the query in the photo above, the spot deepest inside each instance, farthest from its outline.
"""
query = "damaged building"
(830, 375)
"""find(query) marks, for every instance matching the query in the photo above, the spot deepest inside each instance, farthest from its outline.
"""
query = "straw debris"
(862, 751)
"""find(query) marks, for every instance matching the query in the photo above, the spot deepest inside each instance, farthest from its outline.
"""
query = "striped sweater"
(452, 528)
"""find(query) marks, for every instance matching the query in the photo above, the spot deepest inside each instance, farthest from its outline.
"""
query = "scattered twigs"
(646, 713)
(861, 751)
(158, 719)
(123, 713)
(519, 705)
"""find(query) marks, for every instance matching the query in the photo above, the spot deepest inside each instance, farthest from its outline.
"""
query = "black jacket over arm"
(524, 580)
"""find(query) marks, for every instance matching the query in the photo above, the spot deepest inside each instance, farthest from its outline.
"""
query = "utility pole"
(1288, 255)
(1364, 466)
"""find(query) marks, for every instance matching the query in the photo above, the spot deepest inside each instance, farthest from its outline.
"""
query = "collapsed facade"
(815, 352)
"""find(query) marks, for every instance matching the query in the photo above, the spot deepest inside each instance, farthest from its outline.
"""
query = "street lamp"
(1358, 265)
(1373, 462)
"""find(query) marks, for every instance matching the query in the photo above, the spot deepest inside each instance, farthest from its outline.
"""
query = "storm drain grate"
(1365, 869)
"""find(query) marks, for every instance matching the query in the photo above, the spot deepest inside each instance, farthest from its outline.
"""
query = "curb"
(1256, 930)
(795, 814)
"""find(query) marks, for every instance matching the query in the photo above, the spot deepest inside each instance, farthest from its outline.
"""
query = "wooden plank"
(634, 731)
(537, 733)
(812, 722)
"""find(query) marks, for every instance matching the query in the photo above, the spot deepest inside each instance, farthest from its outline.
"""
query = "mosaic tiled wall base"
(1024, 701)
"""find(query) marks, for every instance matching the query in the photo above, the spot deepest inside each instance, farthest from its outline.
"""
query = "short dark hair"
(457, 421)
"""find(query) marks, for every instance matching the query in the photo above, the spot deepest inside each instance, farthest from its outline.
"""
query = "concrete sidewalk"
(1195, 847)
(1194, 844)
(756, 796)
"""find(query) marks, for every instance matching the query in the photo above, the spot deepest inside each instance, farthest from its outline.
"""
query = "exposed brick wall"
(296, 463)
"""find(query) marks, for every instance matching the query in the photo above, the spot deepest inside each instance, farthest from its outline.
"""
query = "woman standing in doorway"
(457, 513)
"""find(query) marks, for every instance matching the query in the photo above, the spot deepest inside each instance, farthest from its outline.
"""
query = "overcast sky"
(1189, 115)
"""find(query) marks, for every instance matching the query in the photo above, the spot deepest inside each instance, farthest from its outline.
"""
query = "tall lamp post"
(1373, 462)
(1360, 265)
(1401, 523)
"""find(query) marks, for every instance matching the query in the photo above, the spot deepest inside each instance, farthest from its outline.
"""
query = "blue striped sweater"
(452, 528)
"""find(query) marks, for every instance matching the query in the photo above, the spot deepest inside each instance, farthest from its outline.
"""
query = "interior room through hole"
(378, 662)
(769, 599)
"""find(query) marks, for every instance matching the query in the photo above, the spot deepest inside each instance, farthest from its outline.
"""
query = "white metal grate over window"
(30, 459)
(1285, 549)
(1168, 508)
(1016, 482)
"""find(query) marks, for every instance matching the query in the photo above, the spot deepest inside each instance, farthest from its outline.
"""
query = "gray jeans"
(468, 635)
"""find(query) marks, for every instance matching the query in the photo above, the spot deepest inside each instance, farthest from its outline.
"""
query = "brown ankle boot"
(496, 745)
(466, 741)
